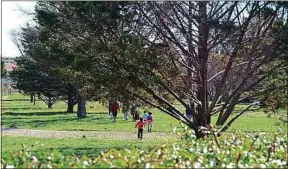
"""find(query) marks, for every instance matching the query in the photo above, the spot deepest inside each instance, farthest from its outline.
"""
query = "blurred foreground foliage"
(237, 150)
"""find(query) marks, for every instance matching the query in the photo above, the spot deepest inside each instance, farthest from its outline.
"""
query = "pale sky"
(12, 18)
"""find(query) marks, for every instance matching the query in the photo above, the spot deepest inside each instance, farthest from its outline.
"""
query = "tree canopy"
(205, 55)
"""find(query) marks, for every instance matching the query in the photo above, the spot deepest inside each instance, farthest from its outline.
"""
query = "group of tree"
(208, 56)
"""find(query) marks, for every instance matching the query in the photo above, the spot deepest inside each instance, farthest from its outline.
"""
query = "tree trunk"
(204, 117)
(50, 105)
(31, 98)
(70, 104)
(81, 112)
(34, 99)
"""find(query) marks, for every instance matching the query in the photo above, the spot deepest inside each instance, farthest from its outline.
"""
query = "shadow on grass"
(36, 113)
(22, 108)
(19, 122)
(11, 113)
(9, 100)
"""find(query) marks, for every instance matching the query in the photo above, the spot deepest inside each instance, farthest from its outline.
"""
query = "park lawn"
(23, 114)
(20, 113)
(91, 147)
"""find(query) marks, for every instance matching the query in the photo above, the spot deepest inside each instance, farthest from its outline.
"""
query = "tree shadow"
(21, 108)
(9, 100)
(36, 113)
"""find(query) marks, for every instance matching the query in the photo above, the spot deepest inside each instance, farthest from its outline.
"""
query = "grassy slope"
(79, 146)
(23, 114)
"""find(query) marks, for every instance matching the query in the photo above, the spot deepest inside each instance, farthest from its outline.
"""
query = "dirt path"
(80, 134)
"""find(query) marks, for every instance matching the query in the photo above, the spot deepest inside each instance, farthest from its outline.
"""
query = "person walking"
(110, 109)
(149, 122)
(137, 113)
(125, 110)
(140, 125)
(145, 115)
(115, 109)
(133, 112)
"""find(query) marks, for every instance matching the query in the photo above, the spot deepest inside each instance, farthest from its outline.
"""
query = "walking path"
(80, 134)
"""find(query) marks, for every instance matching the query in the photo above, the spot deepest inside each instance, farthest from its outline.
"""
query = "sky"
(12, 18)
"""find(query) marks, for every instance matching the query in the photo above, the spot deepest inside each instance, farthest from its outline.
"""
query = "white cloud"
(12, 18)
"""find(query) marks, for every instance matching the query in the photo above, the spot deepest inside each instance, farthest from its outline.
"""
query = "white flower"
(205, 150)
(34, 159)
(230, 165)
(176, 147)
(240, 165)
(49, 157)
(147, 165)
(227, 152)
(49, 166)
(223, 165)
(111, 156)
(174, 129)
(262, 165)
(197, 165)
(278, 162)
(246, 153)
(203, 128)
(85, 163)
(212, 163)
(10, 166)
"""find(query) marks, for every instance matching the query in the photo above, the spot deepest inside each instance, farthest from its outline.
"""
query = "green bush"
(239, 150)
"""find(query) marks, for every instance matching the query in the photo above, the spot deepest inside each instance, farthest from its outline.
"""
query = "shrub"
(239, 150)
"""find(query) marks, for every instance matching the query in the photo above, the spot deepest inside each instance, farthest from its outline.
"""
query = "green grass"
(17, 111)
(79, 146)
(23, 114)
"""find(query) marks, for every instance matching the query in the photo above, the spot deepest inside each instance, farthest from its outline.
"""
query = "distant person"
(110, 109)
(136, 112)
(137, 115)
(149, 122)
(115, 109)
(140, 125)
(133, 112)
(145, 115)
(125, 110)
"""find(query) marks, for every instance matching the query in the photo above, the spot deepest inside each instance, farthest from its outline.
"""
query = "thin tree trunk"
(34, 99)
(204, 118)
(50, 105)
(31, 98)
(81, 112)
(70, 104)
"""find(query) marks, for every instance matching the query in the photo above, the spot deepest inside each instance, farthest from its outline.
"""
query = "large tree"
(30, 78)
(35, 75)
(165, 51)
